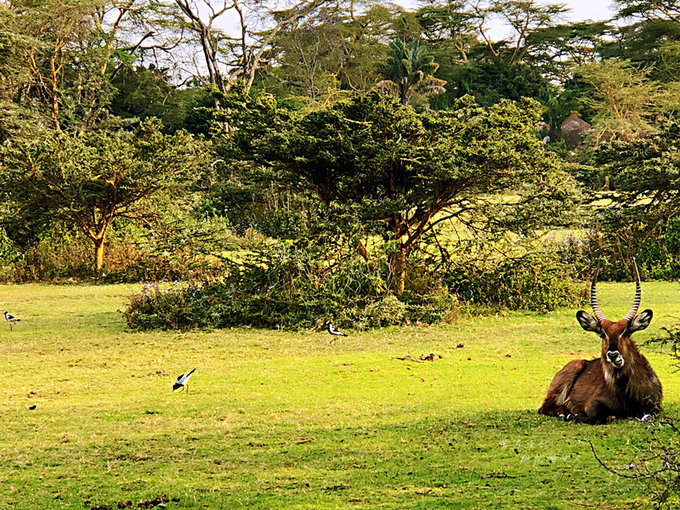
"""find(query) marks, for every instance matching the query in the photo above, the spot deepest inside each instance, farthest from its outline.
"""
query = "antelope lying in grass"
(619, 384)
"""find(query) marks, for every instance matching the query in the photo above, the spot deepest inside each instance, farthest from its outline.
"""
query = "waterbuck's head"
(617, 347)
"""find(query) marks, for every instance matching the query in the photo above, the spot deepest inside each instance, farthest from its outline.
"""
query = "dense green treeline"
(352, 159)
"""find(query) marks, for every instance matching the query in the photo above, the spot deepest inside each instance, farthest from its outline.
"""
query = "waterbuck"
(619, 384)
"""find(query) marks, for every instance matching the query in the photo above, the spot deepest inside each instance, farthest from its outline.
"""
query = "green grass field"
(276, 419)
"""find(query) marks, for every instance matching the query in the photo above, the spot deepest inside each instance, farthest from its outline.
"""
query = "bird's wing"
(185, 377)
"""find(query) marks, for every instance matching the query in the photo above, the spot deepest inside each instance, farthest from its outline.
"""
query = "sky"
(595, 10)
(579, 10)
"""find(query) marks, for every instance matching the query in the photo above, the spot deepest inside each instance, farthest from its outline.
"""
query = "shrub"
(154, 308)
(289, 286)
(657, 252)
(530, 282)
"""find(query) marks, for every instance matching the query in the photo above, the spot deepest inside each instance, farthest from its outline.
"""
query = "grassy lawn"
(277, 419)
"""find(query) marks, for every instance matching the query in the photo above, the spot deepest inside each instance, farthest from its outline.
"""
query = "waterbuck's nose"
(613, 355)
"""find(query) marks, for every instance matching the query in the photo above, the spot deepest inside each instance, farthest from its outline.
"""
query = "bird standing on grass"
(183, 381)
(11, 319)
(332, 330)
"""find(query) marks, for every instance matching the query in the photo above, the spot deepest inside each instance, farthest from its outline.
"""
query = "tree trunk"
(398, 269)
(99, 254)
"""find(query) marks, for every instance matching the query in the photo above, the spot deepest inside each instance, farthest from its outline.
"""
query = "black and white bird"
(183, 381)
(11, 319)
(332, 330)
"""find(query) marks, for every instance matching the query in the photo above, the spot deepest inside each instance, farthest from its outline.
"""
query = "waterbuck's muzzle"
(615, 358)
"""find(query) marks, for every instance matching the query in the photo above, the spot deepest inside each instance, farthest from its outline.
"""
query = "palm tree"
(409, 70)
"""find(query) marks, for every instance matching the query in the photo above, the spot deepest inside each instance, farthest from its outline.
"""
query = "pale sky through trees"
(579, 10)
(595, 10)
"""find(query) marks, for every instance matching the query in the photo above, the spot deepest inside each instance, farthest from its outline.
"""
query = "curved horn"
(593, 299)
(638, 294)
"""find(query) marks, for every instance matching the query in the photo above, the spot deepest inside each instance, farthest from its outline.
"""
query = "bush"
(291, 286)
(530, 282)
(131, 255)
(154, 308)
(288, 286)
(657, 252)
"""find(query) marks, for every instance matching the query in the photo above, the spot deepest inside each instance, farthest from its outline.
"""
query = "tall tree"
(402, 173)
(627, 102)
(557, 50)
(238, 54)
(652, 10)
(307, 56)
(90, 180)
(525, 17)
(449, 26)
(51, 31)
(64, 54)
(649, 36)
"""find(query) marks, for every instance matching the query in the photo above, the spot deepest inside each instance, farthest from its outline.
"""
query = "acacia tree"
(91, 180)
(450, 26)
(645, 172)
(401, 173)
(625, 100)
(235, 55)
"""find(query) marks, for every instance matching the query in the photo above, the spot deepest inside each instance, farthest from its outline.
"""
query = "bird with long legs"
(11, 319)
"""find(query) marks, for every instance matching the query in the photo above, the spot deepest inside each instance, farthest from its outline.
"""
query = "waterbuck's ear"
(641, 321)
(588, 322)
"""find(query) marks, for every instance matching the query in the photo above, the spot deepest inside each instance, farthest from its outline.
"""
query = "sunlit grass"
(275, 419)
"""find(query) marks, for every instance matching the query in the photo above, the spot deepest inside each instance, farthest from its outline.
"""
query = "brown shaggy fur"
(595, 391)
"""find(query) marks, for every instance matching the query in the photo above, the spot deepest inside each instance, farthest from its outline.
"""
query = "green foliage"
(380, 165)
(533, 282)
(142, 92)
(88, 181)
(409, 72)
(134, 254)
(491, 82)
(285, 286)
(642, 216)
(626, 100)
(654, 245)
(160, 309)
(644, 173)
(311, 58)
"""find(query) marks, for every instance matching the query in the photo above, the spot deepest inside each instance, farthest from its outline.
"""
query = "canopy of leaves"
(627, 102)
(90, 180)
(389, 165)
(645, 173)
(489, 83)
